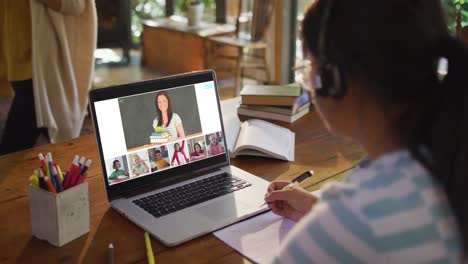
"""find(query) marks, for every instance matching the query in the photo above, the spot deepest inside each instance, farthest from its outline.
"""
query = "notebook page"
(259, 134)
(258, 238)
(231, 121)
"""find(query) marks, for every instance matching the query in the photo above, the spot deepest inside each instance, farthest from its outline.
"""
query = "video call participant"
(381, 86)
(139, 166)
(198, 152)
(215, 147)
(160, 162)
(117, 171)
(179, 154)
(165, 118)
(152, 158)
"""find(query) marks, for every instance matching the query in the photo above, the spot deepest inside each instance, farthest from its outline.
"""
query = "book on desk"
(276, 102)
(281, 95)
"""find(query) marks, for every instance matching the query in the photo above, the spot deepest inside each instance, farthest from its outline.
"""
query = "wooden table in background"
(315, 149)
(170, 46)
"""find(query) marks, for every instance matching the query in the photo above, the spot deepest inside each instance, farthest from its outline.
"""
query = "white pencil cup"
(59, 218)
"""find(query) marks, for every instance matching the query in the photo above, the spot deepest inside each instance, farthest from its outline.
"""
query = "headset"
(329, 81)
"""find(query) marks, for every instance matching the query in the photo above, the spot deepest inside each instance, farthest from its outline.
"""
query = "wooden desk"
(315, 149)
(169, 45)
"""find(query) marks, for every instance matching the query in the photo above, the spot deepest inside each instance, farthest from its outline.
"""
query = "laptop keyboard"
(172, 200)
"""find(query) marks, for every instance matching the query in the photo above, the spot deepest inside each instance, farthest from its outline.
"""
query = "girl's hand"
(293, 203)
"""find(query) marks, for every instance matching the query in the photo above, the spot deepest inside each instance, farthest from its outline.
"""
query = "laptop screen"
(158, 132)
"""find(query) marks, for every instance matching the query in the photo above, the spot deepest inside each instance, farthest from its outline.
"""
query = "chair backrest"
(261, 17)
(464, 35)
(260, 20)
(462, 32)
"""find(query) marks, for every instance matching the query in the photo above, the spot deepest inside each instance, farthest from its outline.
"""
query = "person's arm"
(182, 150)
(67, 7)
(112, 176)
(55, 5)
(334, 233)
(125, 173)
(180, 130)
(134, 171)
(146, 167)
(293, 203)
(185, 157)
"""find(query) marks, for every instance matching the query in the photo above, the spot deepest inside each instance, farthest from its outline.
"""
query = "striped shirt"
(171, 128)
(390, 212)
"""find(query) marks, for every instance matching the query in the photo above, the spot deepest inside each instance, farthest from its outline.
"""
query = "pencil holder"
(59, 218)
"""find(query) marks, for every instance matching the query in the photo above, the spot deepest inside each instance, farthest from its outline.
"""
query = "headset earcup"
(330, 82)
(338, 88)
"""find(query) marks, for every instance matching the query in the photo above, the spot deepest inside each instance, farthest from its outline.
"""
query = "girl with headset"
(388, 75)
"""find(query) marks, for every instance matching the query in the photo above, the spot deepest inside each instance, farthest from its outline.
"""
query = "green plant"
(183, 4)
(451, 8)
(144, 9)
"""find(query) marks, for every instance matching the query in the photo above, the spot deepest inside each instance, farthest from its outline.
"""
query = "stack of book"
(276, 102)
(159, 137)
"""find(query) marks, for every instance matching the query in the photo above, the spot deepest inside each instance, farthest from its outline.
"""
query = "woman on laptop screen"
(169, 122)
(389, 76)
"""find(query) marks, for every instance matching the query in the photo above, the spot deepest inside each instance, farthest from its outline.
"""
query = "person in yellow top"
(160, 162)
(15, 66)
(46, 53)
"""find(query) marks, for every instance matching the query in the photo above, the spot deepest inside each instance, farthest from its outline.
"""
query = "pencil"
(149, 250)
(110, 255)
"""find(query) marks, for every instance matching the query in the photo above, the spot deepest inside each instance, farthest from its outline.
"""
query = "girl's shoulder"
(175, 118)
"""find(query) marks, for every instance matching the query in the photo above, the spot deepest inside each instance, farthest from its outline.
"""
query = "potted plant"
(195, 10)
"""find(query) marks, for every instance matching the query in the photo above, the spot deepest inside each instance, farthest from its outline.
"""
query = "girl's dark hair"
(169, 107)
(196, 144)
(396, 46)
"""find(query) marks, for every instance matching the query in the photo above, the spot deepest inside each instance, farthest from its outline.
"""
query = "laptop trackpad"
(224, 209)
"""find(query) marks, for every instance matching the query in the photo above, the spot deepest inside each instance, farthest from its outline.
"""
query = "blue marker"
(51, 173)
(81, 161)
(57, 180)
(78, 179)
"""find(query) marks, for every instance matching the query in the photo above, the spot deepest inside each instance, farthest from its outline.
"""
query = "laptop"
(164, 157)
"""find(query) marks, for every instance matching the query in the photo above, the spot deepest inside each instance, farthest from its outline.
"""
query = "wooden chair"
(462, 32)
(243, 50)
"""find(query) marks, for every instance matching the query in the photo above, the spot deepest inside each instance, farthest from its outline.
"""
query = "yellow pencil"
(149, 250)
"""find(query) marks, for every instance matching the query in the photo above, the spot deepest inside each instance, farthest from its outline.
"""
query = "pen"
(81, 176)
(43, 162)
(42, 183)
(59, 187)
(74, 167)
(81, 161)
(149, 250)
(110, 256)
(50, 185)
(296, 181)
(50, 173)
(59, 172)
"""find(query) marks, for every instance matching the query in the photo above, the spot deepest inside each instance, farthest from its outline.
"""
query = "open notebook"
(256, 137)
